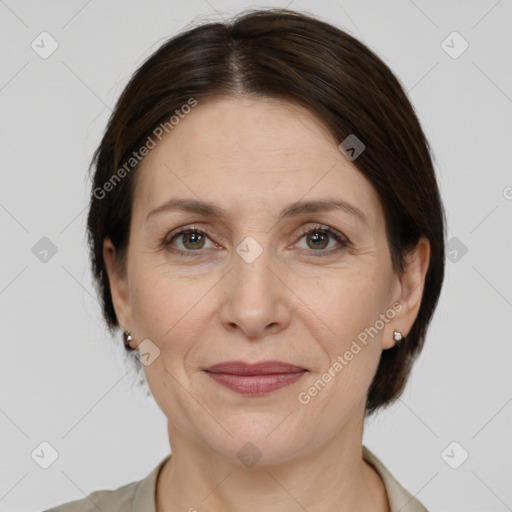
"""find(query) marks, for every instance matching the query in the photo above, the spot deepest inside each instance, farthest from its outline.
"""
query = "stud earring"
(127, 339)
(398, 337)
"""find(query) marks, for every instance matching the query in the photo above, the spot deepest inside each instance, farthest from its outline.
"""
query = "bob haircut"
(299, 59)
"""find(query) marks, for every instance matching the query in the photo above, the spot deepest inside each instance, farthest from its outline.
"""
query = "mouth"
(257, 378)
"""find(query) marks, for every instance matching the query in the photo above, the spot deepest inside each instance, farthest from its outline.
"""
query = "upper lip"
(262, 368)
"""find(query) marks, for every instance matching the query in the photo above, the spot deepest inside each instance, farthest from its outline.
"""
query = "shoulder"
(399, 498)
(137, 495)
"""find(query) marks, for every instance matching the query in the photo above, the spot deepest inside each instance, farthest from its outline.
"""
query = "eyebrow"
(298, 208)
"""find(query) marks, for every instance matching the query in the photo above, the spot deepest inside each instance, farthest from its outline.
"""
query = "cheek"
(171, 311)
(346, 309)
(157, 304)
(344, 302)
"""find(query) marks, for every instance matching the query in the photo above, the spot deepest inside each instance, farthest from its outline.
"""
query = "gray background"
(64, 381)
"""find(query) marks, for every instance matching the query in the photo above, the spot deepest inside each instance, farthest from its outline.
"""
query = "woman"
(267, 231)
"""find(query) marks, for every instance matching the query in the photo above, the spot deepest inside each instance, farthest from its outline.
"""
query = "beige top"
(139, 496)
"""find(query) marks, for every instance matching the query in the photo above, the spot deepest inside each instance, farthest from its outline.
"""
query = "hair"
(296, 58)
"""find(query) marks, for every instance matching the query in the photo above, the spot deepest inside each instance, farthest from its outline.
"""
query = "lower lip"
(256, 384)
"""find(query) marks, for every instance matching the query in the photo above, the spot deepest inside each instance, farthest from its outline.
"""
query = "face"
(258, 279)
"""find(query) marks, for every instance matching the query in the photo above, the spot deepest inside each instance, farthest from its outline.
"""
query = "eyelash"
(325, 230)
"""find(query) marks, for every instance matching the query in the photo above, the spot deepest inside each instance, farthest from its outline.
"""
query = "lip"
(262, 368)
(255, 378)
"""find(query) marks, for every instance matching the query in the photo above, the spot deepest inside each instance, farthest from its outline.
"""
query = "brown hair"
(295, 57)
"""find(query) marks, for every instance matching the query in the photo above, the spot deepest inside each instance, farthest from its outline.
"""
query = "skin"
(252, 158)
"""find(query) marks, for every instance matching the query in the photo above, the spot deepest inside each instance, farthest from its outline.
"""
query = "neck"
(333, 477)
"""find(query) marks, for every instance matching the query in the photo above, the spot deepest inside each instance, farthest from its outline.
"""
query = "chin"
(262, 439)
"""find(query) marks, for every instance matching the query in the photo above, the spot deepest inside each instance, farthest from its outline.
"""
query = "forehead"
(244, 153)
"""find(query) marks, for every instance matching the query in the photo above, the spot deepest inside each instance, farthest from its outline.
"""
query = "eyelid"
(185, 229)
(322, 227)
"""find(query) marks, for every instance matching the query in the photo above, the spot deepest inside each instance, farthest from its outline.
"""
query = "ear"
(119, 289)
(409, 292)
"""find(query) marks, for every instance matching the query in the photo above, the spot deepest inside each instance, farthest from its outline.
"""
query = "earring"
(127, 339)
(398, 337)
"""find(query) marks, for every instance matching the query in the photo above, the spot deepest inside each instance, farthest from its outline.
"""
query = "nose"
(256, 300)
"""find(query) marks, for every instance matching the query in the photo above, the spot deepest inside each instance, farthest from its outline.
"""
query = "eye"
(191, 240)
(319, 238)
